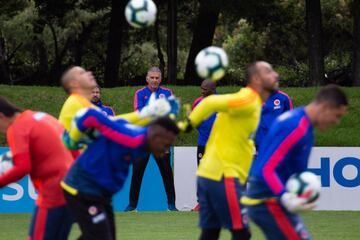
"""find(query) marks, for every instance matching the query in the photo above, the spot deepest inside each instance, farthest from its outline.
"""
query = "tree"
(314, 32)
(116, 31)
(202, 36)
(356, 50)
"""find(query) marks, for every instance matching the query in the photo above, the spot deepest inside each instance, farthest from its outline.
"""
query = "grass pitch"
(323, 225)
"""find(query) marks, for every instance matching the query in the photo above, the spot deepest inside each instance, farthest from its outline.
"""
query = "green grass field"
(323, 225)
(50, 99)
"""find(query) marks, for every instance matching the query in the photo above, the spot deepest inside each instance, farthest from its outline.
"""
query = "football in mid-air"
(211, 63)
(140, 13)
(6, 162)
(305, 185)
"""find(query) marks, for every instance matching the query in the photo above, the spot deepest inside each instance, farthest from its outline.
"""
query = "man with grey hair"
(141, 99)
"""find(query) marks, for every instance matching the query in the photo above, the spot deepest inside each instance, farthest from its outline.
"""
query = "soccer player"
(286, 151)
(102, 168)
(277, 103)
(224, 168)
(208, 88)
(141, 100)
(35, 143)
(96, 100)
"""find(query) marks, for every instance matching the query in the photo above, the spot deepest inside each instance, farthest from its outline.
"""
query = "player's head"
(7, 113)
(161, 135)
(261, 76)
(330, 104)
(77, 80)
(208, 87)
(96, 94)
(153, 78)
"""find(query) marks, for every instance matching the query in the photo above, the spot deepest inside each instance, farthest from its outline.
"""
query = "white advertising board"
(337, 167)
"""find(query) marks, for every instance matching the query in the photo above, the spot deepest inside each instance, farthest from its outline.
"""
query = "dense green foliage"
(322, 225)
(43, 37)
(50, 99)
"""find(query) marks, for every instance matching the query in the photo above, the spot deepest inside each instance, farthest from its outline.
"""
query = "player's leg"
(276, 223)
(50, 223)
(164, 164)
(225, 196)
(208, 220)
(136, 180)
(90, 212)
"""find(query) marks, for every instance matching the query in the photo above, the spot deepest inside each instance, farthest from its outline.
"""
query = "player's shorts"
(220, 204)
(276, 222)
(50, 223)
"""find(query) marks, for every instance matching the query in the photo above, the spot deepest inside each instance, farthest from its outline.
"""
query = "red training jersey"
(34, 139)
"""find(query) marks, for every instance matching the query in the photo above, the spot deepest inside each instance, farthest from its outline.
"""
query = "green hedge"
(50, 99)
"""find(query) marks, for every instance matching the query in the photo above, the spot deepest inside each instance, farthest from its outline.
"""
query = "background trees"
(309, 42)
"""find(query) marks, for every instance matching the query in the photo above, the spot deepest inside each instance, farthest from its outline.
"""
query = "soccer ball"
(140, 13)
(6, 162)
(305, 185)
(211, 63)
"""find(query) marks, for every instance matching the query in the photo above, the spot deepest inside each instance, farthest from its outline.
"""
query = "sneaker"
(196, 208)
(130, 209)
(171, 207)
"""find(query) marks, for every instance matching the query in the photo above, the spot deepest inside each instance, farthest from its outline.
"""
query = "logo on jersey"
(277, 104)
(92, 210)
(162, 95)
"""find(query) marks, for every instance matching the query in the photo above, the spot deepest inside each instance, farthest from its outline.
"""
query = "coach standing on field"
(141, 99)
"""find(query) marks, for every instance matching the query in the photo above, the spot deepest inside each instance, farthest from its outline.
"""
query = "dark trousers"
(166, 174)
(94, 215)
(200, 153)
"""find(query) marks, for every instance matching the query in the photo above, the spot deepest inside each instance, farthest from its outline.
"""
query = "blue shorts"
(50, 223)
(220, 204)
(276, 222)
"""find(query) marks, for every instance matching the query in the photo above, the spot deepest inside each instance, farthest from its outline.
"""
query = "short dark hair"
(166, 123)
(332, 94)
(7, 108)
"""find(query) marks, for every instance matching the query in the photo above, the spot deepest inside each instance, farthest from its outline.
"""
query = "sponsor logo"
(92, 210)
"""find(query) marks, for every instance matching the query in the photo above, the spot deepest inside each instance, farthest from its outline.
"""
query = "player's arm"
(118, 131)
(275, 151)
(20, 147)
(288, 104)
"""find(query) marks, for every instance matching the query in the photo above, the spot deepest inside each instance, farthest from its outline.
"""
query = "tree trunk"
(158, 46)
(172, 41)
(314, 32)
(202, 36)
(356, 50)
(116, 31)
(4, 73)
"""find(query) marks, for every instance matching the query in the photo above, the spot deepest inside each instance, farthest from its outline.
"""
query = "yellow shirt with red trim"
(230, 148)
(72, 105)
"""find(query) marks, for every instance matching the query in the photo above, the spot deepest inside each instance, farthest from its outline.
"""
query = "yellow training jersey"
(230, 148)
(72, 105)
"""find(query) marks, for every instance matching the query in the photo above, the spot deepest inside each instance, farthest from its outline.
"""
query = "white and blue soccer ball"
(6, 162)
(305, 185)
(211, 63)
(140, 13)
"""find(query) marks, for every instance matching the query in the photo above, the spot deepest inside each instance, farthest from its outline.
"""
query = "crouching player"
(101, 170)
(35, 143)
(286, 151)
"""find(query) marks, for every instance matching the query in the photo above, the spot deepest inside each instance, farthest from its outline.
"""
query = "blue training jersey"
(284, 151)
(142, 96)
(103, 167)
(205, 127)
(108, 111)
(277, 103)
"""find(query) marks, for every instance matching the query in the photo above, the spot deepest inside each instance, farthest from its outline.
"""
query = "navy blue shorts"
(50, 223)
(220, 204)
(276, 222)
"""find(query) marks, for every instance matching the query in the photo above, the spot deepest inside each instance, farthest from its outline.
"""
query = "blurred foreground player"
(286, 151)
(35, 143)
(224, 168)
(102, 168)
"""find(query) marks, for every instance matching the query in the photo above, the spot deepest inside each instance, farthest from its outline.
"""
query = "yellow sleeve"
(134, 118)
(209, 105)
